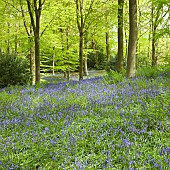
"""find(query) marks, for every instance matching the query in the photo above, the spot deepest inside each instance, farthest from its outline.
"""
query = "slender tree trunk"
(81, 54)
(63, 49)
(8, 41)
(32, 65)
(156, 19)
(16, 39)
(81, 20)
(68, 57)
(65, 74)
(85, 56)
(120, 35)
(37, 54)
(31, 44)
(149, 40)
(86, 73)
(126, 44)
(68, 75)
(154, 59)
(139, 35)
(131, 60)
(32, 56)
(107, 48)
(53, 60)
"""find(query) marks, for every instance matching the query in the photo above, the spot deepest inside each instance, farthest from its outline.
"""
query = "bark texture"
(131, 60)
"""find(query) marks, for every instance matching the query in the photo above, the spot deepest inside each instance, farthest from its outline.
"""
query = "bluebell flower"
(165, 150)
(52, 142)
(53, 158)
(155, 165)
(126, 142)
(46, 129)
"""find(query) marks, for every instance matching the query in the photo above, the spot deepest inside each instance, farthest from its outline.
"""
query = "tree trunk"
(63, 49)
(120, 35)
(37, 53)
(82, 14)
(154, 59)
(85, 66)
(35, 23)
(32, 65)
(65, 75)
(31, 44)
(139, 35)
(80, 25)
(53, 60)
(68, 57)
(81, 54)
(126, 43)
(149, 40)
(8, 41)
(16, 44)
(85, 56)
(131, 60)
(107, 48)
(32, 57)
(68, 75)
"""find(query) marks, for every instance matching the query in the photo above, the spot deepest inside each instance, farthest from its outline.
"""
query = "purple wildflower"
(126, 142)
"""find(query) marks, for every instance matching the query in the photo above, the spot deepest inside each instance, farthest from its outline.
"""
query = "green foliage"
(166, 71)
(13, 70)
(112, 64)
(148, 72)
(113, 77)
(96, 55)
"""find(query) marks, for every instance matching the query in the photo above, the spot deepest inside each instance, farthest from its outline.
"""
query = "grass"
(89, 125)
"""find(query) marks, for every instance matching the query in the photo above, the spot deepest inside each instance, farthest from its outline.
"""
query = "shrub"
(165, 70)
(14, 70)
(113, 77)
(148, 72)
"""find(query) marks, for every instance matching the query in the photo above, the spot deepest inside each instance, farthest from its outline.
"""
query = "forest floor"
(97, 123)
(74, 76)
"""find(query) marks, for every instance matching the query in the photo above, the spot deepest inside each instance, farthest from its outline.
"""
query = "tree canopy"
(73, 35)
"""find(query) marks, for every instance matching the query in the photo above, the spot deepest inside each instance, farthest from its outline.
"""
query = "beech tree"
(29, 32)
(82, 13)
(131, 59)
(89, 33)
(34, 9)
(158, 15)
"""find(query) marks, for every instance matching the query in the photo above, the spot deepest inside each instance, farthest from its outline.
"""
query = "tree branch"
(77, 13)
(31, 15)
(90, 8)
(11, 5)
(23, 16)
(47, 26)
